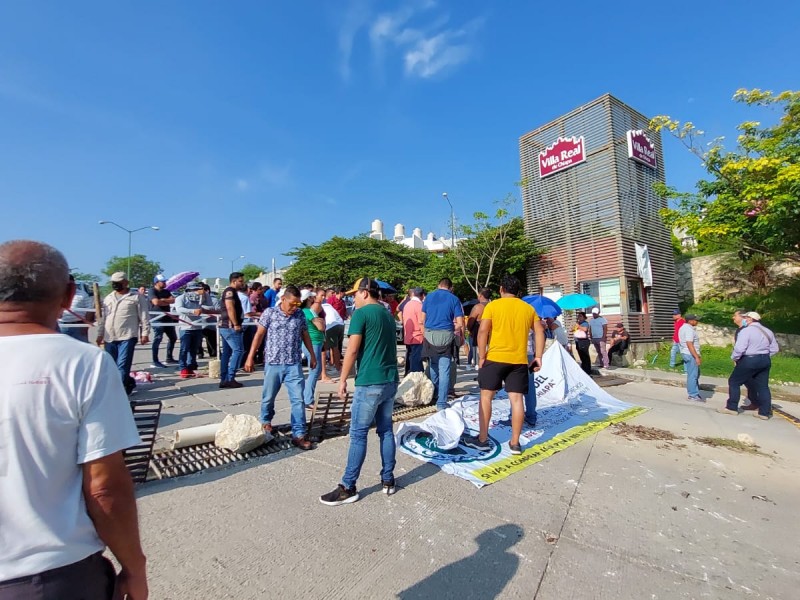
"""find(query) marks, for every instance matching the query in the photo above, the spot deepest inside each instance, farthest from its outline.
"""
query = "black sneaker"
(515, 448)
(530, 423)
(171, 361)
(388, 487)
(340, 495)
(472, 441)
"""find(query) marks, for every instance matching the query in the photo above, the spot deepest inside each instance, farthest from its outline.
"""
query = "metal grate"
(137, 458)
(193, 459)
(330, 416)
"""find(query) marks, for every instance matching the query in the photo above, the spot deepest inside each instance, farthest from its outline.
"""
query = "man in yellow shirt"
(503, 359)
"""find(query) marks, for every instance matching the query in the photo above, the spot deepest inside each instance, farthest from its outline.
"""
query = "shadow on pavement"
(483, 574)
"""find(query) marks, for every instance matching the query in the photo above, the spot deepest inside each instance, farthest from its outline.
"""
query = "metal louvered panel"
(589, 216)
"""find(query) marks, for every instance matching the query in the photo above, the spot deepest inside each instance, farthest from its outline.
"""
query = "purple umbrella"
(180, 279)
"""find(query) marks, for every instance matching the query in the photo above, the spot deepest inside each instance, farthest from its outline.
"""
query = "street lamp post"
(130, 235)
(452, 221)
(233, 261)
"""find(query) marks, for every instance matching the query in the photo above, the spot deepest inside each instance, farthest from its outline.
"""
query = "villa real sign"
(563, 154)
(641, 149)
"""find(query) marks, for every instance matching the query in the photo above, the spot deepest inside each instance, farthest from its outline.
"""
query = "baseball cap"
(677, 311)
(159, 277)
(306, 294)
(119, 276)
(693, 317)
(365, 283)
(595, 311)
(753, 315)
(193, 286)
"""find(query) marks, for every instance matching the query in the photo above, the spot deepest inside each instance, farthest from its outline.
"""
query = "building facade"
(588, 200)
(431, 243)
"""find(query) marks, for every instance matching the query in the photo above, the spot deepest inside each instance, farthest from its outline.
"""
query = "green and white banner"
(570, 407)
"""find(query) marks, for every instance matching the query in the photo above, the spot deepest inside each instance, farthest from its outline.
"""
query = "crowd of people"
(65, 492)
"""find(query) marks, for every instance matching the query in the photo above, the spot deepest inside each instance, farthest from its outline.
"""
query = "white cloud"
(418, 36)
(242, 185)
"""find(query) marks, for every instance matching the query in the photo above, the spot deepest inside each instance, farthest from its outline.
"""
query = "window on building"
(606, 292)
(636, 302)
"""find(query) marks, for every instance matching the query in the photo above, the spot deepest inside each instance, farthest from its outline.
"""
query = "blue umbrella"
(545, 307)
(385, 287)
(575, 301)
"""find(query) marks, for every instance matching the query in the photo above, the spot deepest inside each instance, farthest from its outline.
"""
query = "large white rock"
(415, 390)
(240, 433)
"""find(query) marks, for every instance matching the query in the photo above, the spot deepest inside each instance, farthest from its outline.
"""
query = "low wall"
(712, 335)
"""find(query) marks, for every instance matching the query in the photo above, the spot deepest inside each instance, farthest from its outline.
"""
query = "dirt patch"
(641, 432)
(734, 445)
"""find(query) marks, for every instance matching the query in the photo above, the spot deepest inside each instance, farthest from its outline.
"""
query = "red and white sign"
(641, 149)
(563, 154)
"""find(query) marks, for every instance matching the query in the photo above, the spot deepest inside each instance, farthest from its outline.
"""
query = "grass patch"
(779, 308)
(734, 445)
(717, 363)
(643, 433)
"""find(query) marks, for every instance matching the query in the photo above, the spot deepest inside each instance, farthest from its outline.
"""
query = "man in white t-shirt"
(65, 493)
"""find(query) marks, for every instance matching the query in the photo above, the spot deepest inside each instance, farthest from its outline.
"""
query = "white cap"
(595, 311)
(306, 294)
(753, 315)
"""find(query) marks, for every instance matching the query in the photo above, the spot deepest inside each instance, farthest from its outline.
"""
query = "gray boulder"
(241, 433)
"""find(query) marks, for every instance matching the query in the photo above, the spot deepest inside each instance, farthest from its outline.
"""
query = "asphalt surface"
(611, 517)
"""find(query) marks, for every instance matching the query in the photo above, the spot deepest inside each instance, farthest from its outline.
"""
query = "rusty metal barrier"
(146, 414)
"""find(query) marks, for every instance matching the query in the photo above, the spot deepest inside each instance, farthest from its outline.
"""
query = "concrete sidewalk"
(608, 518)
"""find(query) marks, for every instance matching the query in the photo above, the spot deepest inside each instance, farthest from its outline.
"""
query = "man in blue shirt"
(271, 295)
(285, 329)
(442, 320)
(755, 345)
(598, 328)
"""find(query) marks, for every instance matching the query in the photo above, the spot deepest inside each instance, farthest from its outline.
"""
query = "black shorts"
(334, 337)
(492, 375)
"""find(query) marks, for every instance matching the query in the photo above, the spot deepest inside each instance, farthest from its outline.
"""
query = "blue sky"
(248, 128)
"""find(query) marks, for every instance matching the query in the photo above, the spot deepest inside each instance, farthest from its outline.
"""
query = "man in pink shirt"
(412, 330)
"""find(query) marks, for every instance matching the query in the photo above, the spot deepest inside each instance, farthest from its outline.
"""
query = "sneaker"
(341, 495)
(530, 423)
(235, 385)
(224, 385)
(762, 417)
(187, 373)
(472, 441)
(389, 487)
(696, 399)
(727, 411)
(303, 443)
(171, 361)
(515, 448)
(158, 365)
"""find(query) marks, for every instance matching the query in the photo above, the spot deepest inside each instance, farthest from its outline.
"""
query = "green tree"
(252, 271)
(341, 261)
(751, 202)
(88, 277)
(142, 270)
(493, 246)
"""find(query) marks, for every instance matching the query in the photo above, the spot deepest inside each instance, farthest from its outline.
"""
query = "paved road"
(608, 518)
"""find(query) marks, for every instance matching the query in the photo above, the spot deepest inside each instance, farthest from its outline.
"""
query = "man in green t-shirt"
(372, 344)
(316, 331)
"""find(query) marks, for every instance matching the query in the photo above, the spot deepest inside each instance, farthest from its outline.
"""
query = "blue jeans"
(231, 354)
(190, 341)
(158, 334)
(440, 377)
(673, 354)
(79, 333)
(371, 403)
(415, 358)
(313, 374)
(292, 377)
(752, 371)
(692, 375)
(530, 397)
(122, 353)
(472, 357)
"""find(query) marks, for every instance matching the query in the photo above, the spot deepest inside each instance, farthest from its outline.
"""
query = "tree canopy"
(341, 261)
(142, 270)
(751, 202)
(252, 271)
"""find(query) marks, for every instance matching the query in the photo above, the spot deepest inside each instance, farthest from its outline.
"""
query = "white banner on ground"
(570, 407)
